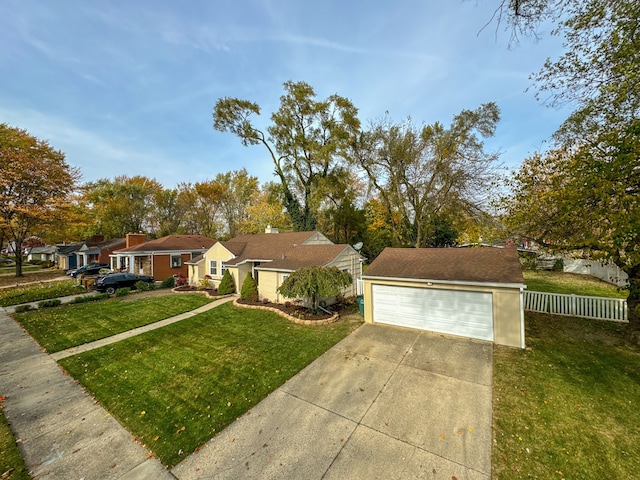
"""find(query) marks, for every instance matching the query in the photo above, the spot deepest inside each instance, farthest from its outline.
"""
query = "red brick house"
(160, 258)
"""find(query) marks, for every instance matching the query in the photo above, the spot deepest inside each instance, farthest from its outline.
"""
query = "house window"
(223, 268)
(213, 268)
(283, 277)
(176, 261)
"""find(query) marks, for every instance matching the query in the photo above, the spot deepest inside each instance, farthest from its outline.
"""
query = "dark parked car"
(88, 269)
(111, 282)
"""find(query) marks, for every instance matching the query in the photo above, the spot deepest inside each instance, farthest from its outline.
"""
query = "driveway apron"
(386, 402)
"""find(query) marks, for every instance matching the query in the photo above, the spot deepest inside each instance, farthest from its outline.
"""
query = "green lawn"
(176, 387)
(11, 464)
(34, 293)
(567, 406)
(559, 282)
(66, 326)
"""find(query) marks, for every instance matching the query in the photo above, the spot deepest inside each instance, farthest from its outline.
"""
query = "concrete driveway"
(386, 402)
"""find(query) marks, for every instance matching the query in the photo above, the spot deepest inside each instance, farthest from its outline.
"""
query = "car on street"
(113, 281)
(88, 269)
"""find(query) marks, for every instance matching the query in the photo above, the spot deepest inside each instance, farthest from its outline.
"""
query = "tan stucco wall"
(269, 281)
(506, 307)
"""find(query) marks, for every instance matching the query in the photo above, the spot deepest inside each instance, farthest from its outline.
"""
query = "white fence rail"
(599, 308)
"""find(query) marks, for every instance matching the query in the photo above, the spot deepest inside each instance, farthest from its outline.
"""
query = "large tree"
(420, 174)
(306, 141)
(598, 71)
(122, 205)
(35, 181)
(583, 195)
(586, 200)
(238, 188)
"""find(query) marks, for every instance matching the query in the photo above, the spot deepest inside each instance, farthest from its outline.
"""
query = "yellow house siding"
(218, 253)
(506, 306)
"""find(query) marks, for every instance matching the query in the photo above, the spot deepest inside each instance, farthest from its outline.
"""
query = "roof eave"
(448, 282)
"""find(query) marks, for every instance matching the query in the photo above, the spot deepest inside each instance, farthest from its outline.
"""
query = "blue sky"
(128, 87)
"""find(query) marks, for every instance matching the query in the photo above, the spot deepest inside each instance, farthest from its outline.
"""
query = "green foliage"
(11, 462)
(585, 199)
(230, 380)
(71, 325)
(558, 265)
(90, 298)
(227, 284)
(143, 286)
(314, 283)
(421, 174)
(122, 292)
(204, 284)
(122, 205)
(35, 185)
(34, 293)
(24, 308)
(249, 290)
(307, 141)
(168, 282)
(54, 302)
(556, 404)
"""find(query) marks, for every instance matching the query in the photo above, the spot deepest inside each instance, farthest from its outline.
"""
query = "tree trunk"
(19, 264)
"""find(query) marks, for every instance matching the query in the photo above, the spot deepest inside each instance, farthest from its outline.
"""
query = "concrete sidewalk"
(61, 431)
(386, 402)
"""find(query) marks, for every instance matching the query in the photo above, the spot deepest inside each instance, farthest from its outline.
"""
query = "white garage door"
(455, 312)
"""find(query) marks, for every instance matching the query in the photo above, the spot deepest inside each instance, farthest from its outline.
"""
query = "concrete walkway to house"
(384, 403)
(61, 431)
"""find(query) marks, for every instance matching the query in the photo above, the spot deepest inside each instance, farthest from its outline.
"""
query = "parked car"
(111, 282)
(88, 269)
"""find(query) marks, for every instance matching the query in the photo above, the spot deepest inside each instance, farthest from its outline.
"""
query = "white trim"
(446, 282)
(522, 345)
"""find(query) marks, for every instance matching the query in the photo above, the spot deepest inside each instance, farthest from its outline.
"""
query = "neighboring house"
(471, 292)
(97, 250)
(66, 258)
(160, 258)
(271, 257)
(45, 253)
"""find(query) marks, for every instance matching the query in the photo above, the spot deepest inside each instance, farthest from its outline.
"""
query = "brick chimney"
(134, 239)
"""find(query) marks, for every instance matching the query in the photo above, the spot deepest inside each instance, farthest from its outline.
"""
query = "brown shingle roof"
(482, 265)
(172, 243)
(306, 256)
(266, 246)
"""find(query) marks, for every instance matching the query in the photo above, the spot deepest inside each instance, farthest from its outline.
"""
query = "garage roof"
(483, 265)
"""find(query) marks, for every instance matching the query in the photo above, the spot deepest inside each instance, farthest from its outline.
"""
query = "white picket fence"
(599, 308)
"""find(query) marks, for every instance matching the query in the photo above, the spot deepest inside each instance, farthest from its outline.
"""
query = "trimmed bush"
(143, 286)
(54, 302)
(168, 282)
(204, 284)
(122, 292)
(90, 298)
(249, 289)
(23, 308)
(227, 285)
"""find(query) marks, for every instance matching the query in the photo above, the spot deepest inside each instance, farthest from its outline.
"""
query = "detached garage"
(470, 292)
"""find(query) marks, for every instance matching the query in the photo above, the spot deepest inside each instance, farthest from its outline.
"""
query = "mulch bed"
(297, 310)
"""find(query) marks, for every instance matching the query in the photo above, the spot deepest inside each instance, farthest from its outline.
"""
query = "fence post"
(572, 304)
